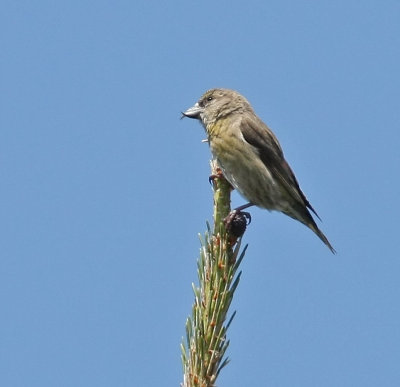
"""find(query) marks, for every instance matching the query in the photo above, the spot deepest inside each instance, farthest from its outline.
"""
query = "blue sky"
(104, 190)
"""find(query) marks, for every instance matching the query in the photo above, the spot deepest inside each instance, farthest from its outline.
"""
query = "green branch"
(203, 354)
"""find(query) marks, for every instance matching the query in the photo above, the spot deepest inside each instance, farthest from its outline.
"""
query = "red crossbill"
(251, 157)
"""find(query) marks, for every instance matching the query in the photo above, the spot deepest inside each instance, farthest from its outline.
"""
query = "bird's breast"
(243, 168)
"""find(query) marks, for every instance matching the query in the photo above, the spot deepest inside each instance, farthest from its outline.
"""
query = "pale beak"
(193, 112)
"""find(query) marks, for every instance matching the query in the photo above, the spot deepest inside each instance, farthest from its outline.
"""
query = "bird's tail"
(320, 235)
(304, 216)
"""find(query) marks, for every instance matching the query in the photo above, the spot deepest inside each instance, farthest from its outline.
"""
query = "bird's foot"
(217, 175)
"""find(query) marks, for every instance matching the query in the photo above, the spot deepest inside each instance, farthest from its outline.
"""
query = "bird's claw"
(217, 175)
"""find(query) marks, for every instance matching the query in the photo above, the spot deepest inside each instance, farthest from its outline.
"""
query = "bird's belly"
(250, 176)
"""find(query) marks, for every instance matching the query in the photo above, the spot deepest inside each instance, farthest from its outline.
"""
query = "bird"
(250, 156)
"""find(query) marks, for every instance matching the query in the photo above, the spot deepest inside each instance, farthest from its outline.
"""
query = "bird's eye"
(209, 98)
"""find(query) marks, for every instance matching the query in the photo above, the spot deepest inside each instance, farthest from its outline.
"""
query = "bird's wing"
(257, 134)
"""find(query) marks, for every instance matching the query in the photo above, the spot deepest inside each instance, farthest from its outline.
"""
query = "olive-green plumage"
(250, 156)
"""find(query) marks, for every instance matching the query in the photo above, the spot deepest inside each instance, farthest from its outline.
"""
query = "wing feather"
(257, 134)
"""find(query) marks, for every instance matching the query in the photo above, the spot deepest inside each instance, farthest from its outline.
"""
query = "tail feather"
(321, 236)
(303, 215)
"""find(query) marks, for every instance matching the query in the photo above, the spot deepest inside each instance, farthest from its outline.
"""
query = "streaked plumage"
(250, 156)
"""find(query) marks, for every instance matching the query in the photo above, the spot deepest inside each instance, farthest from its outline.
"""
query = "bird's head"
(215, 104)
